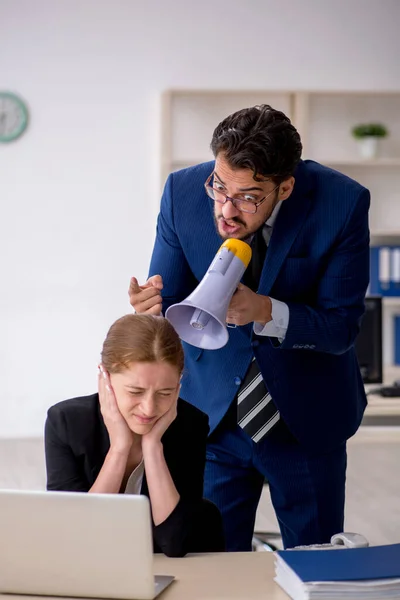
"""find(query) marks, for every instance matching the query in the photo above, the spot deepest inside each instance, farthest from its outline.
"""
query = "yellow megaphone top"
(239, 249)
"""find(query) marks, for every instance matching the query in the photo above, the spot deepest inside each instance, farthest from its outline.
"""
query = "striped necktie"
(256, 411)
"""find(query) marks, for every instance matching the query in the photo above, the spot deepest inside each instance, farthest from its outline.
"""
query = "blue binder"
(374, 562)
(390, 288)
(397, 340)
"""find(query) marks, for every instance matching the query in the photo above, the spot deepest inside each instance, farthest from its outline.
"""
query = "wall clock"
(13, 116)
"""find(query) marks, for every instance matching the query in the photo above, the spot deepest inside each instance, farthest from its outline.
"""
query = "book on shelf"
(385, 270)
(365, 573)
(397, 340)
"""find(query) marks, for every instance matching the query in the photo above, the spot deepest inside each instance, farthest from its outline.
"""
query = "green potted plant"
(367, 136)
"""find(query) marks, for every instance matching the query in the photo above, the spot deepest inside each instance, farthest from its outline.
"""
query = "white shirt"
(280, 310)
(134, 483)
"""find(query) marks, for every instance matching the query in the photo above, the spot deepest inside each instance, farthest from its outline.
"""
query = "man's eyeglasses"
(245, 203)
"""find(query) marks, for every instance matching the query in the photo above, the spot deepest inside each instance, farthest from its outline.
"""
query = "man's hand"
(146, 298)
(248, 307)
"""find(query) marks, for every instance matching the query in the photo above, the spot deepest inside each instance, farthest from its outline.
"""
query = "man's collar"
(268, 223)
(272, 218)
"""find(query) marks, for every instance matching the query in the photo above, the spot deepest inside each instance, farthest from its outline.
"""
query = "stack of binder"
(364, 573)
(385, 281)
(385, 270)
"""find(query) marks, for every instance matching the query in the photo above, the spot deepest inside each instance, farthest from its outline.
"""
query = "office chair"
(263, 541)
(266, 541)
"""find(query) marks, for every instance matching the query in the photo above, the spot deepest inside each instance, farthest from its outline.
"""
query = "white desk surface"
(229, 576)
(225, 576)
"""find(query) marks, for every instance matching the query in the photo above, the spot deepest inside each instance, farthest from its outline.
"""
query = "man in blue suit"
(286, 415)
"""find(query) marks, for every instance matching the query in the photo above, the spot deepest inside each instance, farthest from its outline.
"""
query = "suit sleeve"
(64, 472)
(332, 326)
(168, 258)
(195, 525)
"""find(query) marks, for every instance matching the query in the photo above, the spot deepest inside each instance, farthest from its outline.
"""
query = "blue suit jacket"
(318, 263)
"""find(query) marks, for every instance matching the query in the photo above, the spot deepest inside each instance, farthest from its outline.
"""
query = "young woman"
(137, 436)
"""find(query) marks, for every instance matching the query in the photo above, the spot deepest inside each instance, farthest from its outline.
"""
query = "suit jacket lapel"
(289, 221)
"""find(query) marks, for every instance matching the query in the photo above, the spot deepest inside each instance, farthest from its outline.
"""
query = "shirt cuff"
(279, 324)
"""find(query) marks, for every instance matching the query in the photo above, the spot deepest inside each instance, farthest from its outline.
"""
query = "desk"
(381, 410)
(226, 576)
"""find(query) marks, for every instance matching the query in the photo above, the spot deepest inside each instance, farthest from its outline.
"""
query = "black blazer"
(76, 445)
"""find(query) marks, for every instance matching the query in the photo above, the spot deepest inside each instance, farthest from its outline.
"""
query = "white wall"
(79, 192)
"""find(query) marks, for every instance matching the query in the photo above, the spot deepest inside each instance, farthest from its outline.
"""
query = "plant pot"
(368, 147)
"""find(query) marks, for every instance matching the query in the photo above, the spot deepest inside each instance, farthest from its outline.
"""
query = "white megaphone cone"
(200, 320)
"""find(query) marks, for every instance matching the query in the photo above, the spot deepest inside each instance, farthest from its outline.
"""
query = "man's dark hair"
(259, 138)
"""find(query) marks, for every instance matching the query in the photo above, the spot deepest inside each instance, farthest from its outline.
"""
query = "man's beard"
(234, 220)
(246, 236)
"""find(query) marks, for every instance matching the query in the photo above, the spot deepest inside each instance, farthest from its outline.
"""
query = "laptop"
(77, 545)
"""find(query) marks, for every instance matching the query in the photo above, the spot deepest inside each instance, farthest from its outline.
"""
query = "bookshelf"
(324, 120)
(367, 164)
(189, 118)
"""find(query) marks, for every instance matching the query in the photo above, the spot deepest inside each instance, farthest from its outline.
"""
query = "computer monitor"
(368, 344)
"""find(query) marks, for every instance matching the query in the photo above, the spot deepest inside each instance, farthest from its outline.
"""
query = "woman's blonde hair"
(141, 338)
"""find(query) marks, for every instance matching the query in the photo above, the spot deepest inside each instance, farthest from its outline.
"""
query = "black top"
(76, 445)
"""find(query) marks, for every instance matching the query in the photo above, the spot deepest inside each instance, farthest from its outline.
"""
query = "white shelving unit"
(324, 121)
(189, 118)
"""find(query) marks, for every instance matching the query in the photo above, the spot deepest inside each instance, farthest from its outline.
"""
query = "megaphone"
(200, 320)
